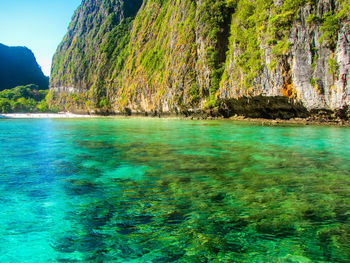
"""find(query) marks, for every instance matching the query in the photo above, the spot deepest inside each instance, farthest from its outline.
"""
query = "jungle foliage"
(24, 99)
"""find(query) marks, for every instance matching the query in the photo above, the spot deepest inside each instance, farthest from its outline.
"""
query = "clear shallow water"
(149, 190)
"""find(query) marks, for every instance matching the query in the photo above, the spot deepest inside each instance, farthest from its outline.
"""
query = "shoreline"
(293, 121)
(263, 121)
(43, 115)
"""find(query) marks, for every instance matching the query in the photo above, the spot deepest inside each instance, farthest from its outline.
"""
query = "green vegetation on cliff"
(178, 55)
(92, 48)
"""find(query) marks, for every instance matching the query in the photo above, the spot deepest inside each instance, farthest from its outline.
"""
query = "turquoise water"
(157, 190)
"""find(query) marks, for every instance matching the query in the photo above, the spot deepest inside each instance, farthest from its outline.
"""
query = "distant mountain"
(18, 67)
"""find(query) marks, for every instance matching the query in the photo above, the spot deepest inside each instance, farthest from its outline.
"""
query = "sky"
(39, 25)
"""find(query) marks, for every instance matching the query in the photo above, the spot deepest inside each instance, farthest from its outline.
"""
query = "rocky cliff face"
(82, 61)
(18, 67)
(308, 62)
(177, 56)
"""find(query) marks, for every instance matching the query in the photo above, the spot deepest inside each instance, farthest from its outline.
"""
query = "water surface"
(149, 190)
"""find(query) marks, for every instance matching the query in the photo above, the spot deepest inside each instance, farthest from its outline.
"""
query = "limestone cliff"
(178, 56)
(303, 52)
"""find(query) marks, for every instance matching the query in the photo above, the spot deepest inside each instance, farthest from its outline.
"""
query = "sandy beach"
(42, 115)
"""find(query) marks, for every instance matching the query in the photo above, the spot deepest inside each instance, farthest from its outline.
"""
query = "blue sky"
(37, 24)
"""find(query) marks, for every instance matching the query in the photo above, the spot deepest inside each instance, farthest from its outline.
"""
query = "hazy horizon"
(39, 25)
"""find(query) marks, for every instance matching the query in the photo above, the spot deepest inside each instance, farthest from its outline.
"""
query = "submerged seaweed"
(171, 191)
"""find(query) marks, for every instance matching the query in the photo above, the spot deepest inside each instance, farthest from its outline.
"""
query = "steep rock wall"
(175, 56)
(82, 61)
(309, 62)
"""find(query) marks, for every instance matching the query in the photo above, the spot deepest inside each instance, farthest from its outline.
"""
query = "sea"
(171, 190)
